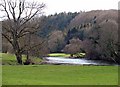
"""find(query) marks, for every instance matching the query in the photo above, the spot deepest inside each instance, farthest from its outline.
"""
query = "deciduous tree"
(19, 14)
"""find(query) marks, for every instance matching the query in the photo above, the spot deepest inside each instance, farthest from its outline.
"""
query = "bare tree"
(19, 15)
(56, 41)
(73, 47)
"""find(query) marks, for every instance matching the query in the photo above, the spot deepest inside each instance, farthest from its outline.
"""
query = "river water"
(62, 60)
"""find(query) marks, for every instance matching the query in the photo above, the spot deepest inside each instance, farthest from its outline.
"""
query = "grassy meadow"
(60, 75)
(9, 59)
(56, 74)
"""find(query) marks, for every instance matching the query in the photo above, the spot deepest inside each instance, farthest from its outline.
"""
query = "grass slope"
(81, 55)
(60, 75)
(10, 59)
(59, 55)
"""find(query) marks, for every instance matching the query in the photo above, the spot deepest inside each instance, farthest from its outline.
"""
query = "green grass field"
(9, 59)
(60, 75)
(56, 74)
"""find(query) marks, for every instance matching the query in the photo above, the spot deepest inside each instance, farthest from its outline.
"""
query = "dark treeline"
(94, 33)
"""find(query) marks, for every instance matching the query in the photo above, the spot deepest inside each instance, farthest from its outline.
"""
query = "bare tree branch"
(18, 24)
(7, 37)
(21, 9)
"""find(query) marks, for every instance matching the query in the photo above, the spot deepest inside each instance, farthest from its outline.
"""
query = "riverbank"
(13, 74)
(77, 55)
(56, 59)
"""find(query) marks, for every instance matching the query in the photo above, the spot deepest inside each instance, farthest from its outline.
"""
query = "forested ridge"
(94, 33)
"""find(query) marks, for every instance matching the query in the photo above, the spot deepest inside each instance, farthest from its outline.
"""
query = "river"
(62, 60)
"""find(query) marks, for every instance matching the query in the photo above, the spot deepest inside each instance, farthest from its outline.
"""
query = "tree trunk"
(16, 48)
(71, 55)
(19, 58)
(27, 55)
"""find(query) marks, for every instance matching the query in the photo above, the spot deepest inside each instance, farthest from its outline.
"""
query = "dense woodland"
(94, 33)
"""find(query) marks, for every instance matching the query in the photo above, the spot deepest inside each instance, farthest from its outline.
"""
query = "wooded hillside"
(94, 32)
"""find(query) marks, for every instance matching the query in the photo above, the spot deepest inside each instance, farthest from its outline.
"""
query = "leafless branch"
(19, 24)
